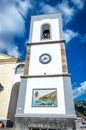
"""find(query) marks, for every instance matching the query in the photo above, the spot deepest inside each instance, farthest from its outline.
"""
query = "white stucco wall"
(17, 78)
(45, 83)
(54, 67)
(55, 30)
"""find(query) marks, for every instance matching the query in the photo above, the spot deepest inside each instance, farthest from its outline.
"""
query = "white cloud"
(77, 92)
(14, 51)
(11, 49)
(79, 3)
(23, 6)
(67, 11)
(12, 24)
(69, 35)
(70, 11)
(63, 7)
(13, 14)
(48, 9)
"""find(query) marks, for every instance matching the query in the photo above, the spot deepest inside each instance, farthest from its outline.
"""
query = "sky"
(15, 18)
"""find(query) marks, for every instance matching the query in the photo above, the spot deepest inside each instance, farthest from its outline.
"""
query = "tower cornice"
(47, 42)
(44, 76)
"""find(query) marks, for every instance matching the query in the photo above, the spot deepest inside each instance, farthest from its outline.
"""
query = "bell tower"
(45, 97)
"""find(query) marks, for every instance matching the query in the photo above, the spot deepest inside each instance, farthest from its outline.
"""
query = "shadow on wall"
(13, 101)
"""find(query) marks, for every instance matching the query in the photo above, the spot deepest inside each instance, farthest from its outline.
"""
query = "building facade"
(10, 71)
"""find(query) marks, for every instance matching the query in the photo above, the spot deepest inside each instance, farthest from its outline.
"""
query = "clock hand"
(44, 58)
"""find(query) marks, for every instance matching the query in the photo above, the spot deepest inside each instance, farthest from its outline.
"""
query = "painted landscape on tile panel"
(44, 97)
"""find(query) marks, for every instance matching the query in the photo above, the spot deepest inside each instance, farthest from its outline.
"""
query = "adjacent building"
(10, 71)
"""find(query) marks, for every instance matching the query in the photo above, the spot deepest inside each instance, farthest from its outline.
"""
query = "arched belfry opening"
(45, 31)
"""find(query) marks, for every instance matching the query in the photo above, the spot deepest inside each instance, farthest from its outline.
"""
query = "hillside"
(80, 107)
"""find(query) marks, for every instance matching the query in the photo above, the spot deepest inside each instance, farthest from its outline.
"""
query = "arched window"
(19, 69)
(45, 31)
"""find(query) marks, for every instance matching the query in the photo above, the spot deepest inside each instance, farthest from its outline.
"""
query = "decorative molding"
(44, 76)
(64, 61)
(47, 42)
(9, 60)
(26, 69)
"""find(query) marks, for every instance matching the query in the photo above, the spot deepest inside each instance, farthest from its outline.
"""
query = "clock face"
(45, 58)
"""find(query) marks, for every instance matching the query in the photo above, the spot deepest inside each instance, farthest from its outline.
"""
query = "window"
(45, 31)
(19, 69)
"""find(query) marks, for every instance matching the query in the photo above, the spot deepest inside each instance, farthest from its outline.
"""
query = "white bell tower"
(45, 89)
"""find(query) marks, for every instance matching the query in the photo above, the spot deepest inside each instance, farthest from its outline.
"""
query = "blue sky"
(15, 18)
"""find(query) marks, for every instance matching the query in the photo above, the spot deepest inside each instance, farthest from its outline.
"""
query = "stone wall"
(80, 124)
(47, 123)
